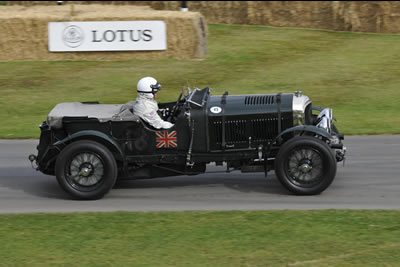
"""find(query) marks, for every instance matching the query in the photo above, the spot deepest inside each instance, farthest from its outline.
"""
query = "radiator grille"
(262, 129)
(235, 131)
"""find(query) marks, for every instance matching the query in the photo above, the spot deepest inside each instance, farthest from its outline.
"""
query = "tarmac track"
(369, 180)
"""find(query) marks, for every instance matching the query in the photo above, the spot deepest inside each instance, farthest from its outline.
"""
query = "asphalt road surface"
(369, 180)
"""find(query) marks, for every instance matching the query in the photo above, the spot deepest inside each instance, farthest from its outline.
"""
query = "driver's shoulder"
(146, 104)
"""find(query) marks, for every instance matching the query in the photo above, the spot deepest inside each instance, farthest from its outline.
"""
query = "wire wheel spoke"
(85, 170)
(304, 167)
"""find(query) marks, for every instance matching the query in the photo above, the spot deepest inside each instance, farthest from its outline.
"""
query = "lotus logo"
(73, 36)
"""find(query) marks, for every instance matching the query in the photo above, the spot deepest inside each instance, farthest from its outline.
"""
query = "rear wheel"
(86, 170)
(305, 165)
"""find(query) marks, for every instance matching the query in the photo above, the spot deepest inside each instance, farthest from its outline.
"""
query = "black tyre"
(305, 165)
(86, 170)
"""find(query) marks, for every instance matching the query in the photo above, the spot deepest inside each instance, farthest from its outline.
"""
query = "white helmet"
(148, 85)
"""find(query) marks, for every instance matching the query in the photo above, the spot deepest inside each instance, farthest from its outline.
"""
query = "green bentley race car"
(88, 145)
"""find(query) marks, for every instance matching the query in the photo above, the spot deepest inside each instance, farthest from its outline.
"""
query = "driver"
(146, 107)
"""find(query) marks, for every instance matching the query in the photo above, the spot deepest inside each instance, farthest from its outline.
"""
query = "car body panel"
(242, 130)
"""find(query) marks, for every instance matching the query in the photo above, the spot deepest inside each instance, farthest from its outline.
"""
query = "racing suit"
(146, 108)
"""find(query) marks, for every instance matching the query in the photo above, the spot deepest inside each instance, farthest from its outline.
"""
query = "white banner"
(107, 36)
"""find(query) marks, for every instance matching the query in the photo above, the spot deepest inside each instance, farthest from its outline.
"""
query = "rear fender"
(97, 136)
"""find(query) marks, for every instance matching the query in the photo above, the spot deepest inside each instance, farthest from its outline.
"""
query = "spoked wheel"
(305, 165)
(86, 170)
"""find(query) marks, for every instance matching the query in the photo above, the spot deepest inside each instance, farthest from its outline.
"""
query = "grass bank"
(231, 238)
(356, 74)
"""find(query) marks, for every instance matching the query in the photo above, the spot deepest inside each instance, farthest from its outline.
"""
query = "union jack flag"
(165, 139)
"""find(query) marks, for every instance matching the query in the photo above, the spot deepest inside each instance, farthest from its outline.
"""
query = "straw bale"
(54, 3)
(357, 16)
(226, 12)
(24, 36)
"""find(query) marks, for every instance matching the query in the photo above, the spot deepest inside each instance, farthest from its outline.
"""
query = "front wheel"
(86, 170)
(305, 165)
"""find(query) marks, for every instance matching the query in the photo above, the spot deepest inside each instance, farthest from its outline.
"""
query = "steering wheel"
(175, 108)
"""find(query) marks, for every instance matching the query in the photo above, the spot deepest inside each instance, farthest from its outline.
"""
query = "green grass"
(355, 74)
(231, 238)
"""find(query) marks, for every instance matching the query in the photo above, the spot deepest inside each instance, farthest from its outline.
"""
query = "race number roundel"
(215, 109)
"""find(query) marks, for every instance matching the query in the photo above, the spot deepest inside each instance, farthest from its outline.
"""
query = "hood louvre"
(259, 100)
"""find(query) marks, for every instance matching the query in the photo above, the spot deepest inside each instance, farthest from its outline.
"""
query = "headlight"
(324, 119)
(327, 112)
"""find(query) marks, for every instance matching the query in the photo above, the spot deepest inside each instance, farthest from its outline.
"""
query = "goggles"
(154, 89)
(157, 87)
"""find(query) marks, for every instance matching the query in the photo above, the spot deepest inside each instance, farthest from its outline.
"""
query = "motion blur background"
(342, 54)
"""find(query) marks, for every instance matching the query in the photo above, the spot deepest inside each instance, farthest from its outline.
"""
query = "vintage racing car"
(88, 146)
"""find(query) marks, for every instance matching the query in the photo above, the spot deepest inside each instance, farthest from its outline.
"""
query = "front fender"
(301, 129)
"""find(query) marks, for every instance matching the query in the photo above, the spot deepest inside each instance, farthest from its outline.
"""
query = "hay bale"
(226, 12)
(24, 36)
(302, 14)
(356, 16)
